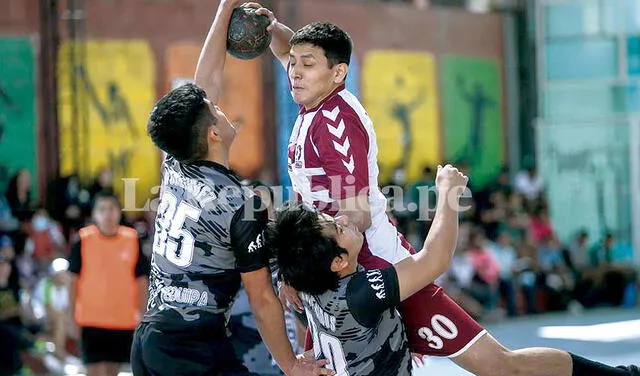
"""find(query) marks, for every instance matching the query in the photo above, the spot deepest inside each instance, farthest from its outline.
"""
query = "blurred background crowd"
(537, 101)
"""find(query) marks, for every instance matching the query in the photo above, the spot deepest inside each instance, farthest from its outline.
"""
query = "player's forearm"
(281, 35)
(440, 244)
(269, 317)
(421, 269)
(212, 57)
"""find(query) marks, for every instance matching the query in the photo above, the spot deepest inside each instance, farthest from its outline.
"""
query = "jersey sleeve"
(372, 292)
(75, 258)
(342, 146)
(247, 236)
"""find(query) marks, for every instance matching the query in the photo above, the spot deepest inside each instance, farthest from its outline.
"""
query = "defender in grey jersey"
(352, 312)
(208, 238)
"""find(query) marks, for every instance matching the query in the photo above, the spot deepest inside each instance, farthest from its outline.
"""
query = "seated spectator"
(18, 195)
(8, 223)
(11, 338)
(529, 184)
(485, 285)
(52, 295)
(495, 214)
(540, 227)
(577, 256)
(558, 280)
(46, 241)
(506, 256)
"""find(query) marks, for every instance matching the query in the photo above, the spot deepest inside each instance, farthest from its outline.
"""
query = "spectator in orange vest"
(108, 288)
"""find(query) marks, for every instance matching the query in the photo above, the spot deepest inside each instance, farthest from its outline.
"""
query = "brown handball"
(247, 36)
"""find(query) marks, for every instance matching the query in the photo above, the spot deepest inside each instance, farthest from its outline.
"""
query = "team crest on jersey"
(295, 156)
(298, 157)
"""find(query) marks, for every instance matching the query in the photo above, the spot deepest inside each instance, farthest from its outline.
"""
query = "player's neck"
(347, 271)
(220, 157)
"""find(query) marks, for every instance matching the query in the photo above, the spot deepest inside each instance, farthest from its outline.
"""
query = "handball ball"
(247, 36)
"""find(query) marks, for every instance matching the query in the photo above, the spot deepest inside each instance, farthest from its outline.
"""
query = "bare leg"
(487, 357)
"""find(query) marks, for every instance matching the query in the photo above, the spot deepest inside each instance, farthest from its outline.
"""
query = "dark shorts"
(158, 351)
(106, 345)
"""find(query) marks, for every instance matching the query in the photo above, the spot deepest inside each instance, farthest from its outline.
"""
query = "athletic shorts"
(158, 351)
(435, 324)
(105, 345)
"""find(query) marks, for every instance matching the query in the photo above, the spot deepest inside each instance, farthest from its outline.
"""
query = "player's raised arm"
(424, 267)
(212, 57)
(281, 35)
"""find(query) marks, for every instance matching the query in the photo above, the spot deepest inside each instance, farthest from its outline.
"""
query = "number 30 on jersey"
(173, 241)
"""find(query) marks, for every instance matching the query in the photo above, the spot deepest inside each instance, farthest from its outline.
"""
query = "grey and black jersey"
(357, 327)
(208, 230)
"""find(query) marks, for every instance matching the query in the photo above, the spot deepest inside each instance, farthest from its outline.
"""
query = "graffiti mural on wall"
(241, 101)
(115, 92)
(587, 180)
(287, 111)
(400, 94)
(472, 125)
(18, 139)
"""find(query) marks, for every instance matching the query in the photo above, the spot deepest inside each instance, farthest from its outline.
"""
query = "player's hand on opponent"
(310, 367)
(289, 295)
(449, 177)
(262, 11)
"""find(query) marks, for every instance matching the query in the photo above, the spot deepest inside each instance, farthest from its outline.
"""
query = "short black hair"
(179, 122)
(335, 42)
(105, 195)
(303, 253)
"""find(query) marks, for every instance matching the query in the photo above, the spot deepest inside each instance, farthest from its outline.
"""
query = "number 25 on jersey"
(173, 241)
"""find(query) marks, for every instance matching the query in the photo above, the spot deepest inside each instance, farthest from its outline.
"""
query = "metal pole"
(75, 138)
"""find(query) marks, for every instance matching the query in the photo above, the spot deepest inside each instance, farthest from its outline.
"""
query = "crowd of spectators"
(510, 260)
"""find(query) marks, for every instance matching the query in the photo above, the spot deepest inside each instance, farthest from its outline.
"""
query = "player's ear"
(340, 72)
(339, 263)
(214, 133)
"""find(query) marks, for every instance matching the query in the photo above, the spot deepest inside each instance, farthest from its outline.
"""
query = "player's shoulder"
(88, 231)
(342, 106)
(128, 232)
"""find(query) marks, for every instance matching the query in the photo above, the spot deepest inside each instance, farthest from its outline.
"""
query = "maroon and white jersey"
(333, 156)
